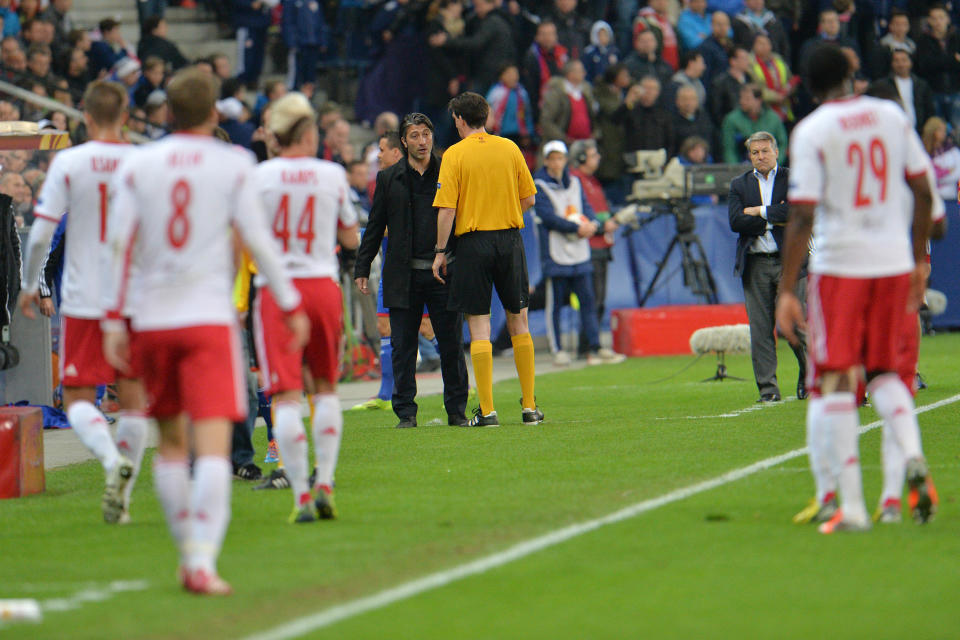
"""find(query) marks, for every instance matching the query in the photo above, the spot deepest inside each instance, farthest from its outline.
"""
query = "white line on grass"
(760, 406)
(331, 615)
(93, 594)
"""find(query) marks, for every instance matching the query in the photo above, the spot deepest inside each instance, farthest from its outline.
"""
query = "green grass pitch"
(725, 563)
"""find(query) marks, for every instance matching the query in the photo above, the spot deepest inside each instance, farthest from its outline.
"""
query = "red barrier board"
(666, 330)
(21, 451)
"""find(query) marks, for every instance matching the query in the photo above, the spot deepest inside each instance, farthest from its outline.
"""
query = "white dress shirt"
(765, 243)
(905, 89)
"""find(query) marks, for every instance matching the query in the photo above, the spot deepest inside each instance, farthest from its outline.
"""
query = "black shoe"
(531, 416)
(427, 366)
(276, 480)
(248, 471)
(769, 397)
(457, 421)
(920, 382)
(801, 389)
(407, 423)
(312, 480)
(480, 420)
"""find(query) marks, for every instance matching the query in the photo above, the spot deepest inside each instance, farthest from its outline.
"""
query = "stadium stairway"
(193, 30)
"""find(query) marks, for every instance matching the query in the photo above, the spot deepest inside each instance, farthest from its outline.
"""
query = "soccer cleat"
(922, 498)
(205, 583)
(373, 404)
(325, 504)
(273, 453)
(117, 479)
(480, 420)
(276, 480)
(302, 514)
(248, 471)
(531, 416)
(839, 523)
(124, 517)
(889, 512)
(808, 513)
(605, 356)
(817, 513)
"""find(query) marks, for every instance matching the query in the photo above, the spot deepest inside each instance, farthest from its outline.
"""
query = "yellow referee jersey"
(484, 177)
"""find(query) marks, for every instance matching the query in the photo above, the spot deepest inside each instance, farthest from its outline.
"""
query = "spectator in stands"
(154, 42)
(644, 60)
(896, 38)
(150, 9)
(272, 90)
(15, 64)
(609, 92)
(157, 114)
(61, 91)
(716, 47)
(487, 45)
(28, 10)
(572, 28)
(944, 155)
(305, 33)
(359, 182)
(221, 66)
(11, 22)
(646, 125)
(127, 73)
(602, 51)
(110, 49)
(754, 20)
(150, 81)
(336, 144)
(9, 111)
(78, 74)
(80, 39)
(696, 150)
(691, 70)
(828, 30)
(37, 31)
(56, 14)
(915, 94)
(13, 185)
(751, 116)
(655, 18)
(235, 121)
(39, 58)
(445, 69)
(568, 106)
(770, 71)
(543, 60)
(690, 119)
(251, 18)
(724, 94)
(938, 56)
(694, 25)
(511, 108)
(58, 120)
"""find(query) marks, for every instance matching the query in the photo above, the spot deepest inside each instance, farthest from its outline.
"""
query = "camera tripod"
(696, 269)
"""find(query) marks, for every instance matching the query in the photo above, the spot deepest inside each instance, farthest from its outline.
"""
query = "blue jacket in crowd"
(303, 24)
(550, 221)
(244, 15)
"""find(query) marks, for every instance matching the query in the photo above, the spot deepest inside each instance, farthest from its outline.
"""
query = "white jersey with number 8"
(852, 158)
(177, 199)
(306, 201)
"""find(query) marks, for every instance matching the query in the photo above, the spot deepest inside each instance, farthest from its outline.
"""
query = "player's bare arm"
(922, 203)
(796, 240)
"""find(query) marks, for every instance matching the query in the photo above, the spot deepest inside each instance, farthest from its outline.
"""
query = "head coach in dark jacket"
(403, 204)
(758, 212)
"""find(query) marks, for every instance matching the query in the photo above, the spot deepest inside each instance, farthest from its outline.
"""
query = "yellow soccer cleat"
(373, 404)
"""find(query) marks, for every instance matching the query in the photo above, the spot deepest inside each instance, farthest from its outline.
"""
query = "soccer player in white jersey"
(78, 182)
(852, 161)
(309, 204)
(174, 205)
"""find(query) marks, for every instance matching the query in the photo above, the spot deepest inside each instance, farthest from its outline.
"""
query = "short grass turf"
(726, 563)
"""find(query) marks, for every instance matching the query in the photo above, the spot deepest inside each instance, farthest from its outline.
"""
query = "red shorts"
(81, 353)
(855, 321)
(282, 369)
(194, 370)
(908, 351)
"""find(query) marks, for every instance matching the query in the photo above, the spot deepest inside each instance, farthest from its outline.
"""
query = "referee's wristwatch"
(439, 250)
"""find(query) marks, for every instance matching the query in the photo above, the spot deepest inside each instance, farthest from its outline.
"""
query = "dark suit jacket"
(745, 192)
(391, 210)
(922, 98)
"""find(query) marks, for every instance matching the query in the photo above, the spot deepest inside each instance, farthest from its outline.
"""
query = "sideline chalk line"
(336, 613)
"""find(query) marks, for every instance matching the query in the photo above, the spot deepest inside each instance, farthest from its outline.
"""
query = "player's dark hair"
(105, 102)
(828, 69)
(689, 56)
(472, 107)
(413, 120)
(108, 24)
(150, 25)
(393, 139)
(192, 95)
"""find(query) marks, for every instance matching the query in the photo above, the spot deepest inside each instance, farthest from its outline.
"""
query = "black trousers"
(448, 327)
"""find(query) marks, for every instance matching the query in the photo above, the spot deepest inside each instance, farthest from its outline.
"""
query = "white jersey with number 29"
(306, 200)
(175, 205)
(851, 158)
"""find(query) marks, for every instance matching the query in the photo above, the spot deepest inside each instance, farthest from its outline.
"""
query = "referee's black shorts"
(486, 259)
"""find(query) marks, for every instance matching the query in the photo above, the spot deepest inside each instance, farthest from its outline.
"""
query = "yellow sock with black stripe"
(481, 352)
(523, 358)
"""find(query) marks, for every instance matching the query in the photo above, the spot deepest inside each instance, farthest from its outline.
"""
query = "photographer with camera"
(569, 222)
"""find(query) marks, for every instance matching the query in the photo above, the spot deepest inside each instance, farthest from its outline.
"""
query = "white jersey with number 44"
(306, 201)
(851, 158)
(177, 202)
(78, 182)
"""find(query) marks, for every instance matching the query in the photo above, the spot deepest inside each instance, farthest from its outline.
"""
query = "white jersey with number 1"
(176, 203)
(306, 201)
(851, 158)
(78, 182)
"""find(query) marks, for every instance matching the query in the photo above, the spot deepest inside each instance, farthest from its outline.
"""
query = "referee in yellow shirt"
(485, 186)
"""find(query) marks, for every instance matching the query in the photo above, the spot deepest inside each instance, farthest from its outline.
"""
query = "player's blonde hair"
(290, 117)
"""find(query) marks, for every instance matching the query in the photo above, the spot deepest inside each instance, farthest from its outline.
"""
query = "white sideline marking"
(93, 594)
(760, 406)
(327, 617)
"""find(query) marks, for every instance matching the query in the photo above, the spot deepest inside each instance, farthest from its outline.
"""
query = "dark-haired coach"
(485, 187)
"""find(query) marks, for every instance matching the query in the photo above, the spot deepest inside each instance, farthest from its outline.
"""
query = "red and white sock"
(840, 415)
(131, 442)
(327, 431)
(171, 479)
(892, 401)
(894, 467)
(91, 427)
(209, 511)
(292, 441)
(822, 462)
